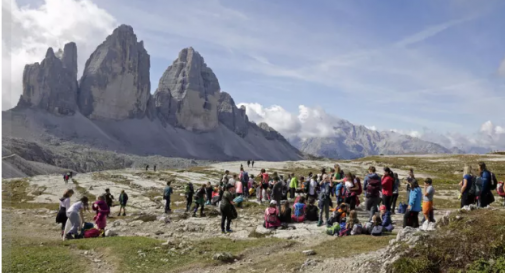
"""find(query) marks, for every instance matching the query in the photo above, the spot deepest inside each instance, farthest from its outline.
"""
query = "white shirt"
(231, 181)
(312, 187)
(65, 203)
(76, 207)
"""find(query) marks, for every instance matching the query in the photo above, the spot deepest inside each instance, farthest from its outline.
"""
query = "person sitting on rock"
(385, 216)
(285, 214)
(299, 210)
(123, 199)
(272, 216)
(311, 211)
(199, 201)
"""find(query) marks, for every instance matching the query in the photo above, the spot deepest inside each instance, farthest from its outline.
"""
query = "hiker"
(167, 192)
(61, 217)
(351, 221)
(199, 200)
(277, 191)
(263, 185)
(272, 216)
(285, 214)
(339, 215)
(411, 217)
(188, 193)
(388, 181)
(239, 186)
(299, 210)
(248, 163)
(325, 199)
(293, 185)
(102, 210)
(349, 188)
(223, 183)
(410, 178)
(311, 211)
(65, 178)
(123, 199)
(147, 168)
(244, 178)
(285, 187)
(252, 164)
(75, 219)
(108, 199)
(385, 216)
(486, 196)
(227, 209)
(232, 181)
(208, 191)
(429, 191)
(251, 185)
(372, 186)
(396, 187)
(312, 187)
(338, 173)
(154, 167)
(71, 174)
(467, 194)
(376, 227)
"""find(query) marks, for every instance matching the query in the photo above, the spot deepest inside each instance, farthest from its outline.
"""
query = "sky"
(422, 68)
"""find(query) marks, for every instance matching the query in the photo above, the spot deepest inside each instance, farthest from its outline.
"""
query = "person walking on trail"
(223, 183)
(248, 163)
(486, 196)
(263, 185)
(147, 168)
(252, 163)
(227, 209)
(293, 185)
(61, 217)
(388, 181)
(123, 199)
(396, 187)
(209, 190)
(102, 210)
(65, 178)
(189, 191)
(372, 186)
(410, 178)
(411, 217)
(108, 199)
(154, 167)
(75, 219)
(428, 193)
(200, 201)
(167, 192)
(325, 199)
(277, 192)
(467, 187)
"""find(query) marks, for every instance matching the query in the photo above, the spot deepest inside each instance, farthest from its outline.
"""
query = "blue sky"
(408, 65)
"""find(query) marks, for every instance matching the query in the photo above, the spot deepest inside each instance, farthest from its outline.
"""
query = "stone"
(159, 232)
(118, 223)
(224, 257)
(110, 233)
(309, 252)
(52, 84)
(115, 84)
(136, 223)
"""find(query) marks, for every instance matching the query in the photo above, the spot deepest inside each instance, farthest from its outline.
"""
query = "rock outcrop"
(190, 90)
(115, 84)
(52, 84)
(232, 117)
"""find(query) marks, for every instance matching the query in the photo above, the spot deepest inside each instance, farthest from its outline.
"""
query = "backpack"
(190, 189)
(299, 209)
(333, 230)
(245, 178)
(376, 231)
(499, 189)
(373, 187)
(272, 216)
(306, 186)
(402, 208)
(238, 199)
(92, 233)
(494, 181)
(360, 189)
(476, 186)
(356, 229)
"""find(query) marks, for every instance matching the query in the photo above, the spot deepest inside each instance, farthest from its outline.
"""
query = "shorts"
(427, 206)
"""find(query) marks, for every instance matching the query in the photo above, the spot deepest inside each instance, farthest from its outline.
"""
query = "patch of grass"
(116, 178)
(83, 191)
(470, 236)
(484, 266)
(15, 195)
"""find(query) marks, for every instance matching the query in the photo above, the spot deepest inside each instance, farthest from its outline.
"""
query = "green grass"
(15, 195)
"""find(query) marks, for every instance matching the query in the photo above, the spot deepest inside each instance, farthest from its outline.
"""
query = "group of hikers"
(312, 198)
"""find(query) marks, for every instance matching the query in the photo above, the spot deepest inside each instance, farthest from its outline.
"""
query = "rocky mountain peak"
(231, 116)
(115, 83)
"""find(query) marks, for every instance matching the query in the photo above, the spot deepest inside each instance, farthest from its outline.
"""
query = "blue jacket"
(486, 181)
(415, 198)
(386, 219)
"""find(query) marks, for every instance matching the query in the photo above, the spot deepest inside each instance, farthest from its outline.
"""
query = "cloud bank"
(29, 31)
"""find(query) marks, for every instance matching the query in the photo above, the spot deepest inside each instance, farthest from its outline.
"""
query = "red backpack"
(92, 233)
(500, 190)
(272, 216)
(360, 189)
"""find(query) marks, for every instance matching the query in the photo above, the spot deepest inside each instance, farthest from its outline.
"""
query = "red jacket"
(387, 185)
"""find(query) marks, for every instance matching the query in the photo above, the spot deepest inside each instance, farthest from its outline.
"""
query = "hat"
(229, 186)
(382, 207)
(273, 202)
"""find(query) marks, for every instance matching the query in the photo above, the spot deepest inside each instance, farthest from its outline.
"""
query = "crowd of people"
(330, 198)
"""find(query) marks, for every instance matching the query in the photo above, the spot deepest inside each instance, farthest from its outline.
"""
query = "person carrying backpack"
(277, 191)
(228, 211)
(325, 199)
(488, 180)
(293, 185)
(189, 191)
(372, 186)
(244, 178)
(272, 215)
(199, 200)
(411, 217)
(387, 185)
(468, 189)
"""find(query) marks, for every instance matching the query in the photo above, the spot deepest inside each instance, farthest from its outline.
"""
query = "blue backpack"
(402, 208)
(299, 209)
(245, 178)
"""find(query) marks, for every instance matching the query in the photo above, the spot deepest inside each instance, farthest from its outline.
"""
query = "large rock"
(115, 84)
(188, 93)
(52, 84)
(232, 117)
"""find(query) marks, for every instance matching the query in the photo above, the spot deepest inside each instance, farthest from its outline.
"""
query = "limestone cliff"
(232, 117)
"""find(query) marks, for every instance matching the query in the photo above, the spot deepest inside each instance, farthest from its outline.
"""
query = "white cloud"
(411, 133)
(50, 24)
(373, 128)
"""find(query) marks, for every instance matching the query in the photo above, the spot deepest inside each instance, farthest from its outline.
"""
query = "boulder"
(224, 257)
(136, 223)
(110, 233)
(52, 84)
(115, 84)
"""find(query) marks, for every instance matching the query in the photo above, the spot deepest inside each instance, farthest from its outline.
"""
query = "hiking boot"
(119, 214)
(229, 230)
(69, 237)
(124, 214)
(223, 232)
(319, 223)
(202, 215)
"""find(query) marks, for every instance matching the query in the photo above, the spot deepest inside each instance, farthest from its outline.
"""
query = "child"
(250, 184)
(299, 208)
(385, 216)
(199, 201)
(311, 211)
(285, 215)
(351, 221)
(188, 192)
(167, 192)
(272, 216)
(339, 215)
(123, 199)
(429, 191)
(61, 217)
(239, 186)
(376, 225)
(209, 189)
(108, 199)
(102, 210)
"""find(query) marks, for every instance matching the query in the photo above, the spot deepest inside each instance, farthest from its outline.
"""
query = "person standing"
(277, 192)
(108, 199)
(396, 187)
(410, 178)
(325, 199)
(387, 184)
(209, 190)
(429, 191)
(411, 217)
(293, 185)
(188, 193)
(199, 201)
(248, 163)
(102, 210)
(467, 195)
(123, 199)
(226, 208)
(154, 167)
(167, 192)
(486, 196)
(244, 178)
(75, 219)
(61, 217)
(147, 168)
(372, 186)
(252, 163)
